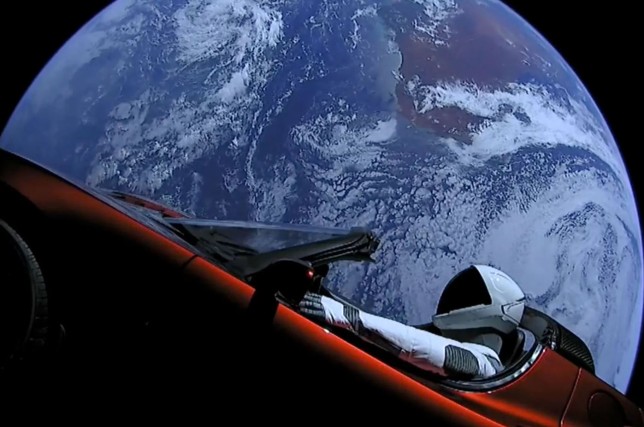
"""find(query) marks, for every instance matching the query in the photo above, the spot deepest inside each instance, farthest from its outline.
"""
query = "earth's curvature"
(451, 128)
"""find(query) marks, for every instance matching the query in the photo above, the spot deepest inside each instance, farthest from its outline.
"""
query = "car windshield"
(260, 236)
(246, 247)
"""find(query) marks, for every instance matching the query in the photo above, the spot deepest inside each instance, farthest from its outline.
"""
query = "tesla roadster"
(110, 301)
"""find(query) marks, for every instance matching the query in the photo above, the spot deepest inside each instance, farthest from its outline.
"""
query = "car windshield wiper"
(140, 201)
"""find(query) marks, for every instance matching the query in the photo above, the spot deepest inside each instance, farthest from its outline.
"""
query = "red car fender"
(537, 398)
(595, 403)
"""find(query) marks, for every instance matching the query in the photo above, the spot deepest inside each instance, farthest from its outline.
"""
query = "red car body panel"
(538, 398)
(595, 403)
(170, 329)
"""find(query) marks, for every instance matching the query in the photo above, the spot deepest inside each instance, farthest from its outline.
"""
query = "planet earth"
(451, 128)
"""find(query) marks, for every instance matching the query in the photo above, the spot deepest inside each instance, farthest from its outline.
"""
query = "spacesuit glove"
(325, 309)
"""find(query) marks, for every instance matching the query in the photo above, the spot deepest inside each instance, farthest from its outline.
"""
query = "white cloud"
(235, 87)
(515, 117)
(237, 28)
(433, 22)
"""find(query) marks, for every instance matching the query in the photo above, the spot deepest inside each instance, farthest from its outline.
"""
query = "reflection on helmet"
(480, 297)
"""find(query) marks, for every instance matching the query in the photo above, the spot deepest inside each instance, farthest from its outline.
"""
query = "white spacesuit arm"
(429, 351)
(423, 349)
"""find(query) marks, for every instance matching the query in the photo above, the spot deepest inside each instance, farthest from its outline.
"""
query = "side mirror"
(291, 278)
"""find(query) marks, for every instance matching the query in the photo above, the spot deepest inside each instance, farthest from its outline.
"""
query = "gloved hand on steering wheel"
(330, 311)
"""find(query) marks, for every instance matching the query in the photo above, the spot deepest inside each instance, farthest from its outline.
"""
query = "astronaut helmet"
(480, 297)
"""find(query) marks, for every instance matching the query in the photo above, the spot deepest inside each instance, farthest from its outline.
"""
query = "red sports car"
(110, 301)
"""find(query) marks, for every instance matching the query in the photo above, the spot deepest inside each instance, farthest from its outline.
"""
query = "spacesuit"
(478, 307)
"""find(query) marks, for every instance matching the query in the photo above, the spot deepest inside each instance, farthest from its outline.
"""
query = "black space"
(599, 44)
